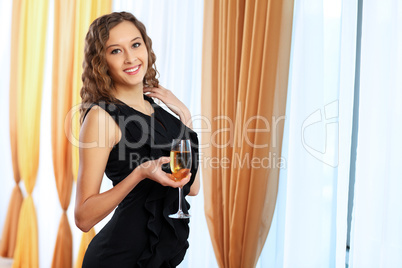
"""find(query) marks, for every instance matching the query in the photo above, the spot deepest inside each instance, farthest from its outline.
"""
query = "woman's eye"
(115, 51)
(135, 45)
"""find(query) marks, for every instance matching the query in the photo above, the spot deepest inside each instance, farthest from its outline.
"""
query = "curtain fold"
(376, 236)
(245, 71)
(86, 12)
(63, 253)
(85, 240)
(62, 88)
(310, 226)
(30, 61)
(9, 235)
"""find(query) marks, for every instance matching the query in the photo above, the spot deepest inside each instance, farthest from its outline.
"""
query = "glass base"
(180, 215)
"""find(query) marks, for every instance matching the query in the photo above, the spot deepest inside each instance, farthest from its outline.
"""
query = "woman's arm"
(99, 133)
(179, 108)
(195, 187)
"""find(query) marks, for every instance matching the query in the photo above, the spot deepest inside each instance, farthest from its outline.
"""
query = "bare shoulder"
(99, 126)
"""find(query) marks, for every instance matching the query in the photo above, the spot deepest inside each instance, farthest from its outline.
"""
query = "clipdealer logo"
(324, 121)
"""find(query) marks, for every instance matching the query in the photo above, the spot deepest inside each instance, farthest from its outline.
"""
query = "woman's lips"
(133, 70)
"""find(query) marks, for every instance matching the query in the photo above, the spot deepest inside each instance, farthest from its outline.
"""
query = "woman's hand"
(153, 170)
(171, 101)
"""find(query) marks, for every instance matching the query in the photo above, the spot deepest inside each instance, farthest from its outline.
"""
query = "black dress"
(140, 233)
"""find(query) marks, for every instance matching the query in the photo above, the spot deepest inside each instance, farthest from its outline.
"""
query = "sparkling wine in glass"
(180, 165)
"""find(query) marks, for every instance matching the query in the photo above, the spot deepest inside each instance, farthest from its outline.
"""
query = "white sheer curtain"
(175, 28)
(376, 236)
(309, 227)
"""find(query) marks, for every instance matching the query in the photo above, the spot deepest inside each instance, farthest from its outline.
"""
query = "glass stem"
(180, 194)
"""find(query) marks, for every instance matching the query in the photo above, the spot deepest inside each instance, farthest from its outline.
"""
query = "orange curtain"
(246, 55)
(30, 74)
(9, 235)
(86, 12)
(62, 87)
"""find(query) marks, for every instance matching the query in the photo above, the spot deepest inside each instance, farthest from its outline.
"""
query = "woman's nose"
(130, 57)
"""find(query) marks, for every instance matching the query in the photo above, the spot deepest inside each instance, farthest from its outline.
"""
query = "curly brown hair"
(97, 83)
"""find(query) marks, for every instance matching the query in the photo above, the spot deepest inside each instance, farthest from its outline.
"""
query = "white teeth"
(132, 70)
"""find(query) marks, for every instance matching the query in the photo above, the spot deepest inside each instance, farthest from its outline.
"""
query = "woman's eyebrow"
(138, 37)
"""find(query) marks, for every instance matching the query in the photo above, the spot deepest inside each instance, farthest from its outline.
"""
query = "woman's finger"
(162, 87)
(163, 160)
(180, 183)
(185, 180)
(147, 89)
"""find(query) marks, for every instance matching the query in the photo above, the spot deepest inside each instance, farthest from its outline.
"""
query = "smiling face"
(126, 56)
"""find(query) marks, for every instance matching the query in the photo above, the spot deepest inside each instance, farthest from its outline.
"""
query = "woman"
(125, 135)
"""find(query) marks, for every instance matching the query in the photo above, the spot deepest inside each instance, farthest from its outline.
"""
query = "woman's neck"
(133, 97)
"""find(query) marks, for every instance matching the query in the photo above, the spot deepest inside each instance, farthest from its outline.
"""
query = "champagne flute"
(180, 165)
